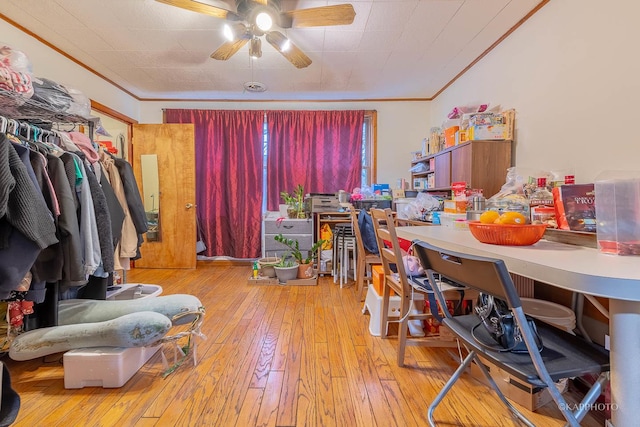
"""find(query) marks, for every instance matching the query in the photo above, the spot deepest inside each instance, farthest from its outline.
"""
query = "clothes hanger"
(4, 124)
(13, 126)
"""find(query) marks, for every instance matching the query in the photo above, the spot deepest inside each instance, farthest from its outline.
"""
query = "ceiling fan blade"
(293, 53)
(228, 49)
(341, 14)
(207, 9)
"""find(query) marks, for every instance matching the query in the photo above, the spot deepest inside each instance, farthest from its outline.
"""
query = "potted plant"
(305, 263)
(286, 269)
(266, 266)
(295, 201)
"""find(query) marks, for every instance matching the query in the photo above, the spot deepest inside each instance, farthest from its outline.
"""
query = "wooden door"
(174, 146)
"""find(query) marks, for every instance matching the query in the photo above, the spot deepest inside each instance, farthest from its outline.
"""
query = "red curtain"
(229, 162)
(319, 149)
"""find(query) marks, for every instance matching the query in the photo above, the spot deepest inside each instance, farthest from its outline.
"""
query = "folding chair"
(563, 355)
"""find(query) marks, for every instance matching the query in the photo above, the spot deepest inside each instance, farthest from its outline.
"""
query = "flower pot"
(266, 266)
(305, 271)
(286, 273)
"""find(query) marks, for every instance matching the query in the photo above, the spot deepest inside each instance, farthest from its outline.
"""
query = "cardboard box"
(523, 394)
(575, 207)
(450, 136)
(487, 132)
(377, 279)
(509, 123)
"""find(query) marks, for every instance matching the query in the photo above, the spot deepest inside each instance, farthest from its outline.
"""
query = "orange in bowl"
(489, 217)
(514, 218)
(507, 234)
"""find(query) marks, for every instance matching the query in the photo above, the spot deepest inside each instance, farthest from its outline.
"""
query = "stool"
(344, 249)
(373, 304)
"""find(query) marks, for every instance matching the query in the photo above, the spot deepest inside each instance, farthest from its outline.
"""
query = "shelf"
(448, 149)
(422, 174)
(14, 106)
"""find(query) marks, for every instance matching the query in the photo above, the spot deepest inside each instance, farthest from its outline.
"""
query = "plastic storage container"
(618, 212)
(549, 312)
(107, 367)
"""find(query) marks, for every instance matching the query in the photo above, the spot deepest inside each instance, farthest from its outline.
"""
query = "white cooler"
(109, 367)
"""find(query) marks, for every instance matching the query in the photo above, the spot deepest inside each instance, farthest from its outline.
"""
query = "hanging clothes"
(128, 245)
(67, 261)
(26, 224)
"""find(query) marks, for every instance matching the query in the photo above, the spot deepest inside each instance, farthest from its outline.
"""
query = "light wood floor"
(274, 356)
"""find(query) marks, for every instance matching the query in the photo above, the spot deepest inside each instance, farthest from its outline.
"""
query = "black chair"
(563, 355)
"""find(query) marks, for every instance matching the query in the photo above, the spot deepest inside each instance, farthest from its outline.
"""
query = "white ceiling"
(397, 49)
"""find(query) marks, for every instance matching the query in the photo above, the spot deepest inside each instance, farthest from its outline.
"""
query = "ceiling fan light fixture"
(264, 21)
(233, 32)
(228, 32)
(255, 48)
(285, 45)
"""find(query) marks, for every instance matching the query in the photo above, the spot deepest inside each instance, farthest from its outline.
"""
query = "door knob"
(188, 205)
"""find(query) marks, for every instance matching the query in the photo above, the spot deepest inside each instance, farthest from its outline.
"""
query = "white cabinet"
(273, 224)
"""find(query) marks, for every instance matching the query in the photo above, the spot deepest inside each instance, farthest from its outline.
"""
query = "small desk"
(331, 218)
(577, 269)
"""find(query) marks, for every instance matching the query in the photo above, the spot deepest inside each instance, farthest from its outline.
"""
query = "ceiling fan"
(255, 18)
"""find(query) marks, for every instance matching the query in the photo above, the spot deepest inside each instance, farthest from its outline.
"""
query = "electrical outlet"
(607, 342)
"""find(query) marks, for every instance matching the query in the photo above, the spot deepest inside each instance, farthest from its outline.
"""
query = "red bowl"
(507, 234)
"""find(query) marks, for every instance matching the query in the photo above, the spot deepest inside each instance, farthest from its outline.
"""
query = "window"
(368, 148)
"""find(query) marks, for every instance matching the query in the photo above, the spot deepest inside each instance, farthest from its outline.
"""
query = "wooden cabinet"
(481, 164)
(299, 229)
(442, 172)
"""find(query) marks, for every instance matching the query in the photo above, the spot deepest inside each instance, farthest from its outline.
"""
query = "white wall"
(401, 126)
(573, 75)
(52, 65)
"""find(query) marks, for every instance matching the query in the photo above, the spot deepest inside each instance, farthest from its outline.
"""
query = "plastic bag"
(80, 104)
(423, 203)
(52, 94)
(457, 112)
(15, 71)
(511, 196)
(412, 266)
(327, 235)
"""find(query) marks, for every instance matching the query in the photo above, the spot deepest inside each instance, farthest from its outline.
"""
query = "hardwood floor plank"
(275, 356)
(243, 375)
(284, 337)
(268, 415)
(248, 415)
(344, 406)
(326, 414)
(267, 353)
(398, 406)
(349, 359)
(306, 411)
(382, 411)
(294, 358)
(333, 336)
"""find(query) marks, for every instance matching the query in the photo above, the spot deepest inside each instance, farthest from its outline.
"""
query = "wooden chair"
(365, 258)
(563, 354)
(383, 223)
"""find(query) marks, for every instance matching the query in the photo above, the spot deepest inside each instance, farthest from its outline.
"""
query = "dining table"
(583, 270)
